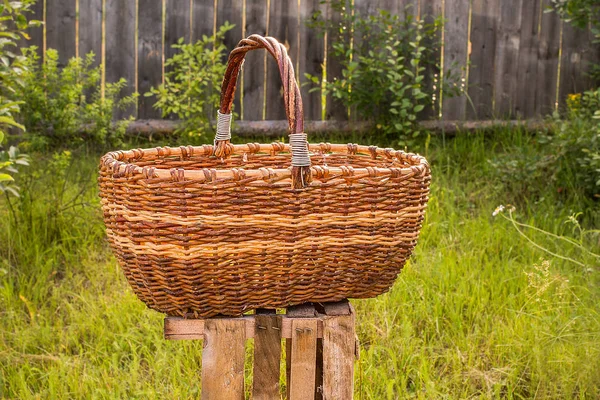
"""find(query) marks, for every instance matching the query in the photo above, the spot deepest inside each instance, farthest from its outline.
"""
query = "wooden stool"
(321, 347)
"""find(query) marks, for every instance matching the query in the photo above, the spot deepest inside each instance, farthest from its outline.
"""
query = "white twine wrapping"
(223, 127)
(299, 148)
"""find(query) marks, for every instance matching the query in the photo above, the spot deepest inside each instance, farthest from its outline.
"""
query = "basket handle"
(301, 174)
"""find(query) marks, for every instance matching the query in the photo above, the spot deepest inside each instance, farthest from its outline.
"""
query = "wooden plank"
(193, 329)
(305, 310)
(484, 23)
(60, 28)
(223, 359)
(90, 29)
(372, 8)
(456, 45)
(149, 54)
(36, 34)
(283, 26)
(177, 25)
(310, 59)
(573, 78)
(335, 109)
(408, 7)
(547, 68)
(231, 11)
(203, 19)
(267, 356)
(430, 9)
(590, 57)
(338, 357)
(319, 371)
(288, 366)
(120, 47)
(254, 65)
(336, 308)
(527, 66)
(303, 360)
(507, 59)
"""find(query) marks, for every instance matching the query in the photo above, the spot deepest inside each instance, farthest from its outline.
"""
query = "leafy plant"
(567, 155)
(66, 107)
(9, 160)
(192, 80)
(13, 28)
(384, 68)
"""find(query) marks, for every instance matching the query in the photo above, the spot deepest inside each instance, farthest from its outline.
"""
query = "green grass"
(464, 320)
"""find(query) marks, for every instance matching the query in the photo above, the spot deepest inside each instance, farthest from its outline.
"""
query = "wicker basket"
(224, 229)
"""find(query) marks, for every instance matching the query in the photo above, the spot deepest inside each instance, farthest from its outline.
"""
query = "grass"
(477, 313)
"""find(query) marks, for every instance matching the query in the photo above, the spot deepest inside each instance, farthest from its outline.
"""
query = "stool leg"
(223, 359)
(267, 357)
(303, 359)
(338, 357)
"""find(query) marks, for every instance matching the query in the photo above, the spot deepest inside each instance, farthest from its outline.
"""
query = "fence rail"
(518, 61)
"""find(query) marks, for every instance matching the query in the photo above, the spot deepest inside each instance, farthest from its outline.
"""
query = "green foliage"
(65, 107)
(13, 28)
(9, 160)
(193, 79)
(566, 156)
(582, 14)
(383, 68)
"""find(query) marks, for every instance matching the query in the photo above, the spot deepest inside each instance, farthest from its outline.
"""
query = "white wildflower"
(498, 210)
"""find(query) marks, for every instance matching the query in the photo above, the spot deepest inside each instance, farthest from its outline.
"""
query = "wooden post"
(320, 351)
(223, 359)
(267, 356)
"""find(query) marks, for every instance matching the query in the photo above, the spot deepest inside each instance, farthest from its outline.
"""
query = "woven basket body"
(199, 234)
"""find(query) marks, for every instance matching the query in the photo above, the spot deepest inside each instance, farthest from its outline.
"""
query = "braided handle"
(292, 98)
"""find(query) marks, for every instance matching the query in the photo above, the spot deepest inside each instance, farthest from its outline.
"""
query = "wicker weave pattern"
(200, 235)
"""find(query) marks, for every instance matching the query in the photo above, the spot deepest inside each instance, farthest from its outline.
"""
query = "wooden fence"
(519, 61)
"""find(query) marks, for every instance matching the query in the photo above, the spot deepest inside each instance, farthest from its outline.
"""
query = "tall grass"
(477, 313)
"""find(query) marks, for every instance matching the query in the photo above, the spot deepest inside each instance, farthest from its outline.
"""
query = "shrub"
(568, 154)
(192, 81)
(13, 28)
(9, 160)
(384, 68)
(66, 107)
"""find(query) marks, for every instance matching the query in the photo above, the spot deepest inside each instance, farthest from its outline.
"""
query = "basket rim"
(122, 162)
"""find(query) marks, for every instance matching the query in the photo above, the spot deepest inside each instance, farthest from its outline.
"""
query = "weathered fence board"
(572, 66)
(513, 52)
(177, 25)
(484, 23)
(507, 59)
(60, 28)
(335, 110)
(429, 10)
(231, 11)
(203, 19)
(254, 66)
(36, 34)
(90, 29)
(547, 69)
(283, 25)
(528, 59)
(120, 43)
(149, 54)
(310, 59)
(456, 34)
